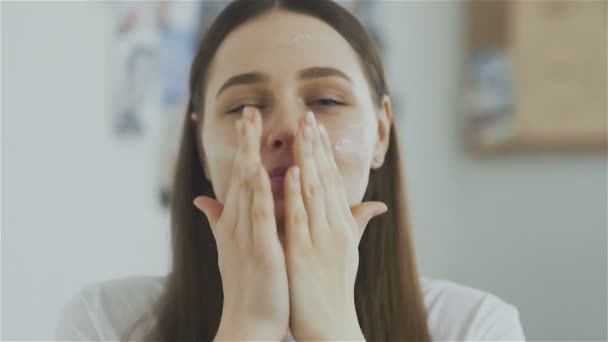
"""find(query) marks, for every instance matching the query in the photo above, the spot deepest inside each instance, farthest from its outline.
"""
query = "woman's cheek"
(352, 147)
(219, 158)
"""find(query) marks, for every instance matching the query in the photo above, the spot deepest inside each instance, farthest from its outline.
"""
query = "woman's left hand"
(322, 240)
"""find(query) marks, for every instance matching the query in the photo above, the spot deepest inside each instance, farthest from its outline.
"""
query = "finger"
(333, 168)
(262, 212)
(248, 160)
(250, 146)
(335, 206)
(296, 219)
(229, 217)
(311, 189)
(211, 208)
(243, 225)
(365, 211)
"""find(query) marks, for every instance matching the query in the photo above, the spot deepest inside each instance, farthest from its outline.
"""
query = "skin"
(288, 255)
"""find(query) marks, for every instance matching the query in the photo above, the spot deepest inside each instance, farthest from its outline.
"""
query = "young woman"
(299, 228)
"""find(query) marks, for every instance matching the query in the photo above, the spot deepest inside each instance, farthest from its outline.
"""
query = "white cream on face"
(352, 143)
(300, 37)
(344, 146)
(353, 146)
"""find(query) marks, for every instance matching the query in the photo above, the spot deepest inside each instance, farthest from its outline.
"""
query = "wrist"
(347, 332)
(246, 331)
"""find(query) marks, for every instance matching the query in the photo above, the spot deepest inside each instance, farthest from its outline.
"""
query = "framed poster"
(537, 76)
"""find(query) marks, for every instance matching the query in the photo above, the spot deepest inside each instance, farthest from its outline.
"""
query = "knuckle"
(299, 218)
(247, 180)
(267, 259)
(243, 183)
(259, 185)
(261, 213)
(312, 189)
(327, 177)
(293, 189)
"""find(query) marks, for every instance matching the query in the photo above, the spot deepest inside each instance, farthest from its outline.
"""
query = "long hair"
(388, 297)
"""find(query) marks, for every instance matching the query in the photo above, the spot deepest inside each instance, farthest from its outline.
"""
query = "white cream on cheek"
(353, 147)
(352, 143)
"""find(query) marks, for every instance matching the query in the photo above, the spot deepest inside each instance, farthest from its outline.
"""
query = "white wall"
(80, 206)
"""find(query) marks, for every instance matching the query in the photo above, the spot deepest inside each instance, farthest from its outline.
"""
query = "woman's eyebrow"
(248, 78)
(306, 74)
(320, 72)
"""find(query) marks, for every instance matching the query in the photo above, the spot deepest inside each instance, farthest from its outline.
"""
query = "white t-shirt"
(103, 311)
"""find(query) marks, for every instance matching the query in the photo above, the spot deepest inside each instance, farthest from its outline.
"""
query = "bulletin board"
(537, 75)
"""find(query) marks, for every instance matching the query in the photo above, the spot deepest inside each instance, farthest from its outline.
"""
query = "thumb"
(365, 211)
(210, 207)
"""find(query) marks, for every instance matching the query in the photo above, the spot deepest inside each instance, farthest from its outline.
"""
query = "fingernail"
(381, 211)
(307, 133)
(310, 119)
(253, 113)
(247, 113)
(196, 204)
(296, 173)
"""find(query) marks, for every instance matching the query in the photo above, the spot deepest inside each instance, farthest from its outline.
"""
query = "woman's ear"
(385, 119)
(195, 121)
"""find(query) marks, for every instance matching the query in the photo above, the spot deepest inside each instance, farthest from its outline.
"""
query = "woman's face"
(286, 64)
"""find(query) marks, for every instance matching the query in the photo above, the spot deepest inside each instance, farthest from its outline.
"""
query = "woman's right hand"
(250, 255)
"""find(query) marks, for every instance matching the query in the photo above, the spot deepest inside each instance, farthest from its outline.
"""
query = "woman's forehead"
(281, 44)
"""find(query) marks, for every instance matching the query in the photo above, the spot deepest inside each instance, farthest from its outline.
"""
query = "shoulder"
(459, 312)
(103, 310)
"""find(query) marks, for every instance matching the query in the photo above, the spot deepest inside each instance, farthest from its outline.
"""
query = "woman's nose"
(280, 130)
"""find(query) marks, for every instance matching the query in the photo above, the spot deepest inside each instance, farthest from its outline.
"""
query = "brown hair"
(388, 296)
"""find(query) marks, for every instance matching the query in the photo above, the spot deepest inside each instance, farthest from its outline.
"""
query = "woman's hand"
(322, 240)
(250, 255)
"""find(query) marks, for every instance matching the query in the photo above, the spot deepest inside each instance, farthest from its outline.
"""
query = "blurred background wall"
(80, 206)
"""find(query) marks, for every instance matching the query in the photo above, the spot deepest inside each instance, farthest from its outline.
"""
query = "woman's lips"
(277, 180)
(277, 183)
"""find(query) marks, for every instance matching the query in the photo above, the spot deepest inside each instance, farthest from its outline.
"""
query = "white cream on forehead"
(300, 37)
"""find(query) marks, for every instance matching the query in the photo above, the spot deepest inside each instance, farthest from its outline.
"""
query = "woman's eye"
(327, 102)
(239, 109)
